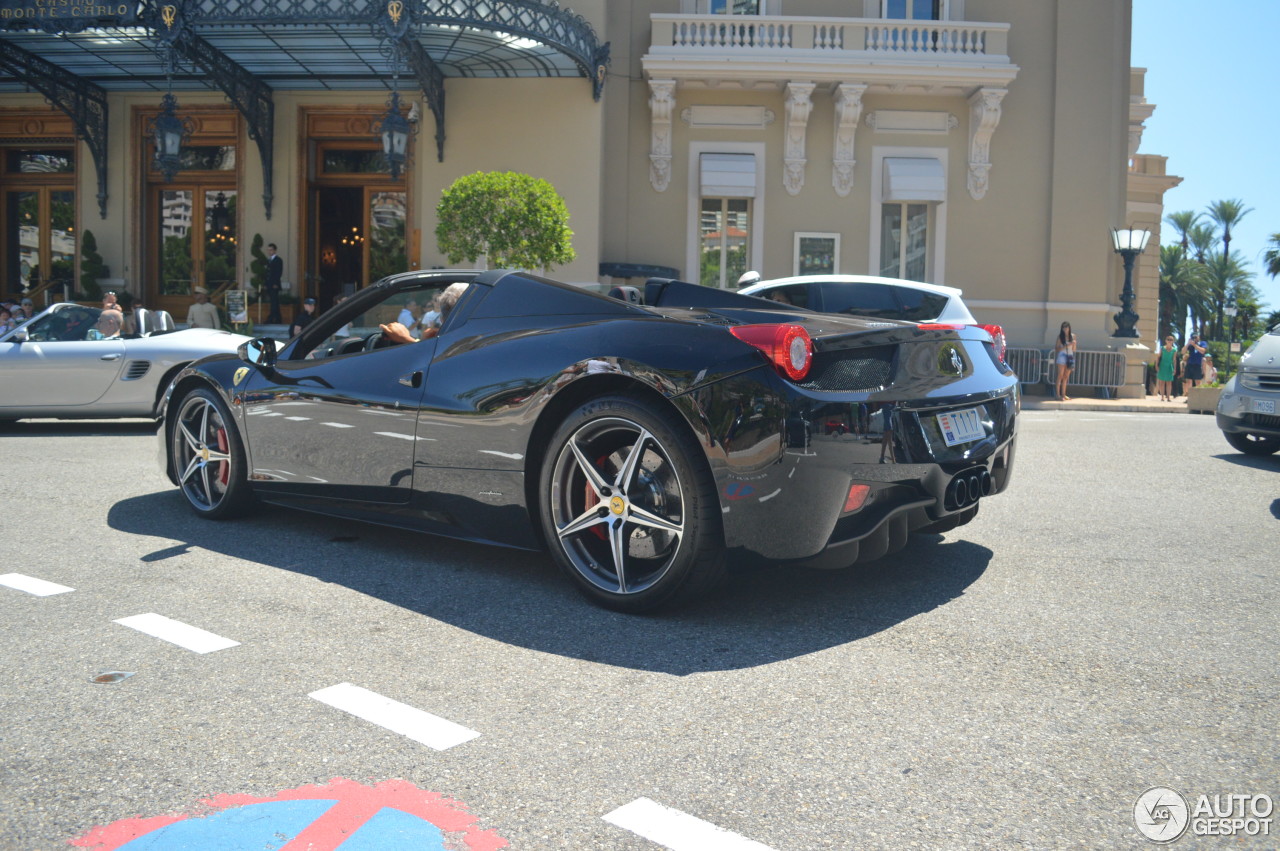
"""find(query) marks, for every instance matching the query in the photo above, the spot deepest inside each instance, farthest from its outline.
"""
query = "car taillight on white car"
(997, 336)
(788, 347)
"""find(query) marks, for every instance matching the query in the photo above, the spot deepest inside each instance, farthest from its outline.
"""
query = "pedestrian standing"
(304, 317)
(1166, 364)
(1064, 355)
(1195, 352)
(275, 273)
(202, 314)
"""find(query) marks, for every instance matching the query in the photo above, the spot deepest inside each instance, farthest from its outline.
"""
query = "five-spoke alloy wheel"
(629, 510)
(207, 456)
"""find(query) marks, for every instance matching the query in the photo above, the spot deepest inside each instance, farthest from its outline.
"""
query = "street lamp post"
(1128, 243)
(1231, 310)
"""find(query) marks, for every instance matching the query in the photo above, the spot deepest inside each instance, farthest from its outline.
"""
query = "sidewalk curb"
(1150, 405)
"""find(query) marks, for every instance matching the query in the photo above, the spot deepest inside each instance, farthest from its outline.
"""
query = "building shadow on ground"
(764, 615)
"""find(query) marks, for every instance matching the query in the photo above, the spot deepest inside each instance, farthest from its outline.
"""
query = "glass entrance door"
(40, 241)
(360, 234)
(194, 243)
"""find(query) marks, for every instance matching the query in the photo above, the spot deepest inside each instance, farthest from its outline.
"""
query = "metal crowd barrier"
(1027, 363)
(1092, 369)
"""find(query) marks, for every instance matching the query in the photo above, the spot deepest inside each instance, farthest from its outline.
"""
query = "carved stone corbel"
(661, 104)
(848, 101)
(984, 115)
(799, 106)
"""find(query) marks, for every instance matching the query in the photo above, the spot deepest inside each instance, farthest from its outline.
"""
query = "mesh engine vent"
(851, 370)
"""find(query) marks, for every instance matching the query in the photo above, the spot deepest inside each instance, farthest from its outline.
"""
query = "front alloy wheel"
(630, 513)
(207, 456)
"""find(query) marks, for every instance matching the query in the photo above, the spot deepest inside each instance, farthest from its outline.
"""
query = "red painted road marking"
(356, 805)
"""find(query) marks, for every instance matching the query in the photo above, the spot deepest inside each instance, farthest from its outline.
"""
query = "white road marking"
(176, 632)
(394, 434)
(297, 419)
(676, 830)
(422, 727)
(515, 456)
(770, 496)
(338, 425)
(38, 587)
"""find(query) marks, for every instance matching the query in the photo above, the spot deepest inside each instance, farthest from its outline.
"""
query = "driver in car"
(107, 327)
(396, 332)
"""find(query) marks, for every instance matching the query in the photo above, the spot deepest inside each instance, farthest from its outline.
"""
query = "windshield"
(68, 322)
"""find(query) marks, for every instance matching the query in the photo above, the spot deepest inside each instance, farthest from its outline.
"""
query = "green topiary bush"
(514, 219)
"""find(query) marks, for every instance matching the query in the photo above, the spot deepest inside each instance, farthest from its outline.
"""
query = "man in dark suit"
(275, 270)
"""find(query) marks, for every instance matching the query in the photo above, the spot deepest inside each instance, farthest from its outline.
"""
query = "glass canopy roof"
(301, 45)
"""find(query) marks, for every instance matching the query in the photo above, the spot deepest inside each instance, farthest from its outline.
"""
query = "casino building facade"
(986, 144)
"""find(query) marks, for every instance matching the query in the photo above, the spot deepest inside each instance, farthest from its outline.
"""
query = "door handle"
(413, 379)
(110, 357)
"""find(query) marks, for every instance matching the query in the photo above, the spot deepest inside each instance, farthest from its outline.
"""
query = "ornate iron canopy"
(247, 48)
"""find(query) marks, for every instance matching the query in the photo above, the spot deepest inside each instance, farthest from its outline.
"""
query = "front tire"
(629, 508)
(208, 456)
(1252, 444)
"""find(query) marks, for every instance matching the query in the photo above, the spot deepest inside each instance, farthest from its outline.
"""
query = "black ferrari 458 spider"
(650, 444)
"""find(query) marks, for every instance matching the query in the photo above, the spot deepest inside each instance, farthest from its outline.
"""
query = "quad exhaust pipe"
(967, 488)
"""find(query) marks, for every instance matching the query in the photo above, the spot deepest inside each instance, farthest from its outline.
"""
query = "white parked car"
(57, 364)
(1249, 405)
(883, 298)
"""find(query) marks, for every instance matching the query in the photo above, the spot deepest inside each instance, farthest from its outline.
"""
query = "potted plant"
(1203, 399)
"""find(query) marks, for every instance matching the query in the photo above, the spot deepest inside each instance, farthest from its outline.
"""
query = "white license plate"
(1263, 406)
(961, 426)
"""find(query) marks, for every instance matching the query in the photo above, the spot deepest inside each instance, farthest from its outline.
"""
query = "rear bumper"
(787, 502)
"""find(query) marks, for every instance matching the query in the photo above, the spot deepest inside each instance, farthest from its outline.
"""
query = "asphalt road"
(1107, 625)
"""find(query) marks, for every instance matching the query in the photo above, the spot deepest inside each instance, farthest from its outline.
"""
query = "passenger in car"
(396, 332)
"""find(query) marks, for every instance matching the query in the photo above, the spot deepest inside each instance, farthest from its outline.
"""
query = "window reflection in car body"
(322, 421)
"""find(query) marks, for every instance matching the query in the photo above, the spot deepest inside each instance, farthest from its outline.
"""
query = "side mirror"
(261, 352)
(18, 336)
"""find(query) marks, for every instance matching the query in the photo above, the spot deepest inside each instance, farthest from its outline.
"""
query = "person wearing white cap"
(202, 314)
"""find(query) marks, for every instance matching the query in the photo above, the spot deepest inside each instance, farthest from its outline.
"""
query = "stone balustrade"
(757, 35)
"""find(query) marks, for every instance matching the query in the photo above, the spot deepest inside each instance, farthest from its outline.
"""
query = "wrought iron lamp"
(169, 132)
(393, 30)
(1128, 243)
(167, 129)
(395, 131)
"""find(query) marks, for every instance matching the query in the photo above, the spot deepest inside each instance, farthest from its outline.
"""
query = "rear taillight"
(788, 347)
(997, 336)
(939, 326)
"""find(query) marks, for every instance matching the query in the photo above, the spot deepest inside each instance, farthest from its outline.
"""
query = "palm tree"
(1183, 287)
(1226, 214)
(1273, 256)
(1225, 275)
(1182, 223)
(1201, 237)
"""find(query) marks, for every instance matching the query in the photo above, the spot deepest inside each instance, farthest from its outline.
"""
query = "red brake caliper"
(592, 499)
(224, 468)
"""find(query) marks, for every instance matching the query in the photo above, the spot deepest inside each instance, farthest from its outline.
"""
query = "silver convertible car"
(71, 362)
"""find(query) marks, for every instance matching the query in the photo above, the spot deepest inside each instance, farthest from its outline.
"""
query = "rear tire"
(1252, 444)
(208, 456)
(629, 507)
